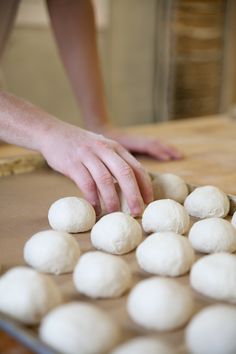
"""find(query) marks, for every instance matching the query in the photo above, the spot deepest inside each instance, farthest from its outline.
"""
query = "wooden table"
(209, 145)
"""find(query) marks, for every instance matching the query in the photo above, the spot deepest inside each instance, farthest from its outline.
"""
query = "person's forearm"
(22, 123)
(74, 28)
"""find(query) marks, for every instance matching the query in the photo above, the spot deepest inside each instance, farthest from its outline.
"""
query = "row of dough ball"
(37, 294)
(74, 215)
(164, 300)
(155, 303)
(161, 215)
(212, 330)
(166, 254)
(163, 253)
(207, 236)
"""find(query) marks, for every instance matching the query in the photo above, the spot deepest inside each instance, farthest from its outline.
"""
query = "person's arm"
(90, 160)
(74, 27)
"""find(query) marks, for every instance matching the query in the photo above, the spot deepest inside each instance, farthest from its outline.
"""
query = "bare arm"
(74, 28)
(90, 160)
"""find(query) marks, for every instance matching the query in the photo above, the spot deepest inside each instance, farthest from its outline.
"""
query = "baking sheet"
(24, 204)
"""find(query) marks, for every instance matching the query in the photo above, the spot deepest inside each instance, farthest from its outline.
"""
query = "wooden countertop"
(209, 145)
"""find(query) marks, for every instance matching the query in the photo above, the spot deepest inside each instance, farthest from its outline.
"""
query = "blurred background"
(161, 59)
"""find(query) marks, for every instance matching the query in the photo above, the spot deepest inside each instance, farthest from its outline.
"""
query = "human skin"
(74, 28)
(90, 160)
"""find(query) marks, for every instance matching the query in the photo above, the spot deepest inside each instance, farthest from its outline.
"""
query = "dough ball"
(215, 276)
(71, 214)
(165, 253)
(213, 331)
(213, 235)
(116, 233)
(160, 304)
(141, 345)
(169, 186)
(207, 202)
(233, 221)
(79, 328)
(165, 215)
(27, 295)
(52, 251)
(101, 275)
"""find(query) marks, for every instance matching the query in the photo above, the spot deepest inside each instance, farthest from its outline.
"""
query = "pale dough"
(215, 276)
(213, 235)
(116, 233)
(27, 295)
(71, 214)
(79, 328)
(213, 331)
(206, 202)
(102, 275)
(165, 215)
(165, 253)
(52, 251)
(161, 304)
(233, 221)
(143, 345)
(169, 186)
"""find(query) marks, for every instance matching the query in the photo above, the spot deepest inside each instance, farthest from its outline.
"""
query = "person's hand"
(144, 145)
(92, 162)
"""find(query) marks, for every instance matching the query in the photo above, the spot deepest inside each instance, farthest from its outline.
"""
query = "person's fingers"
(158, 154)
(171, 151)
(83, 179)
(141, 175)
(151, 146)
(103, 180)
(125, 177)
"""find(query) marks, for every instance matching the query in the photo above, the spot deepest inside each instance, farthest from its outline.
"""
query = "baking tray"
(25, 199)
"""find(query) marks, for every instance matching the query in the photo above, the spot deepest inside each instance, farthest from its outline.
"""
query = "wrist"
(46, 132)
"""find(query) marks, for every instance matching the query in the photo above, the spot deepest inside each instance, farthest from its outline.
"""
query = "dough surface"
(143, 345)
(215, 276)
(166, 254)
(79, 327)
(213, 331)
(71, 214)
(169, 186)
(101, 275)
(27, 295)
(161, 304)
(213, 235)
(116, 233)
(207, 202)
(52, 251)
(165, 215)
